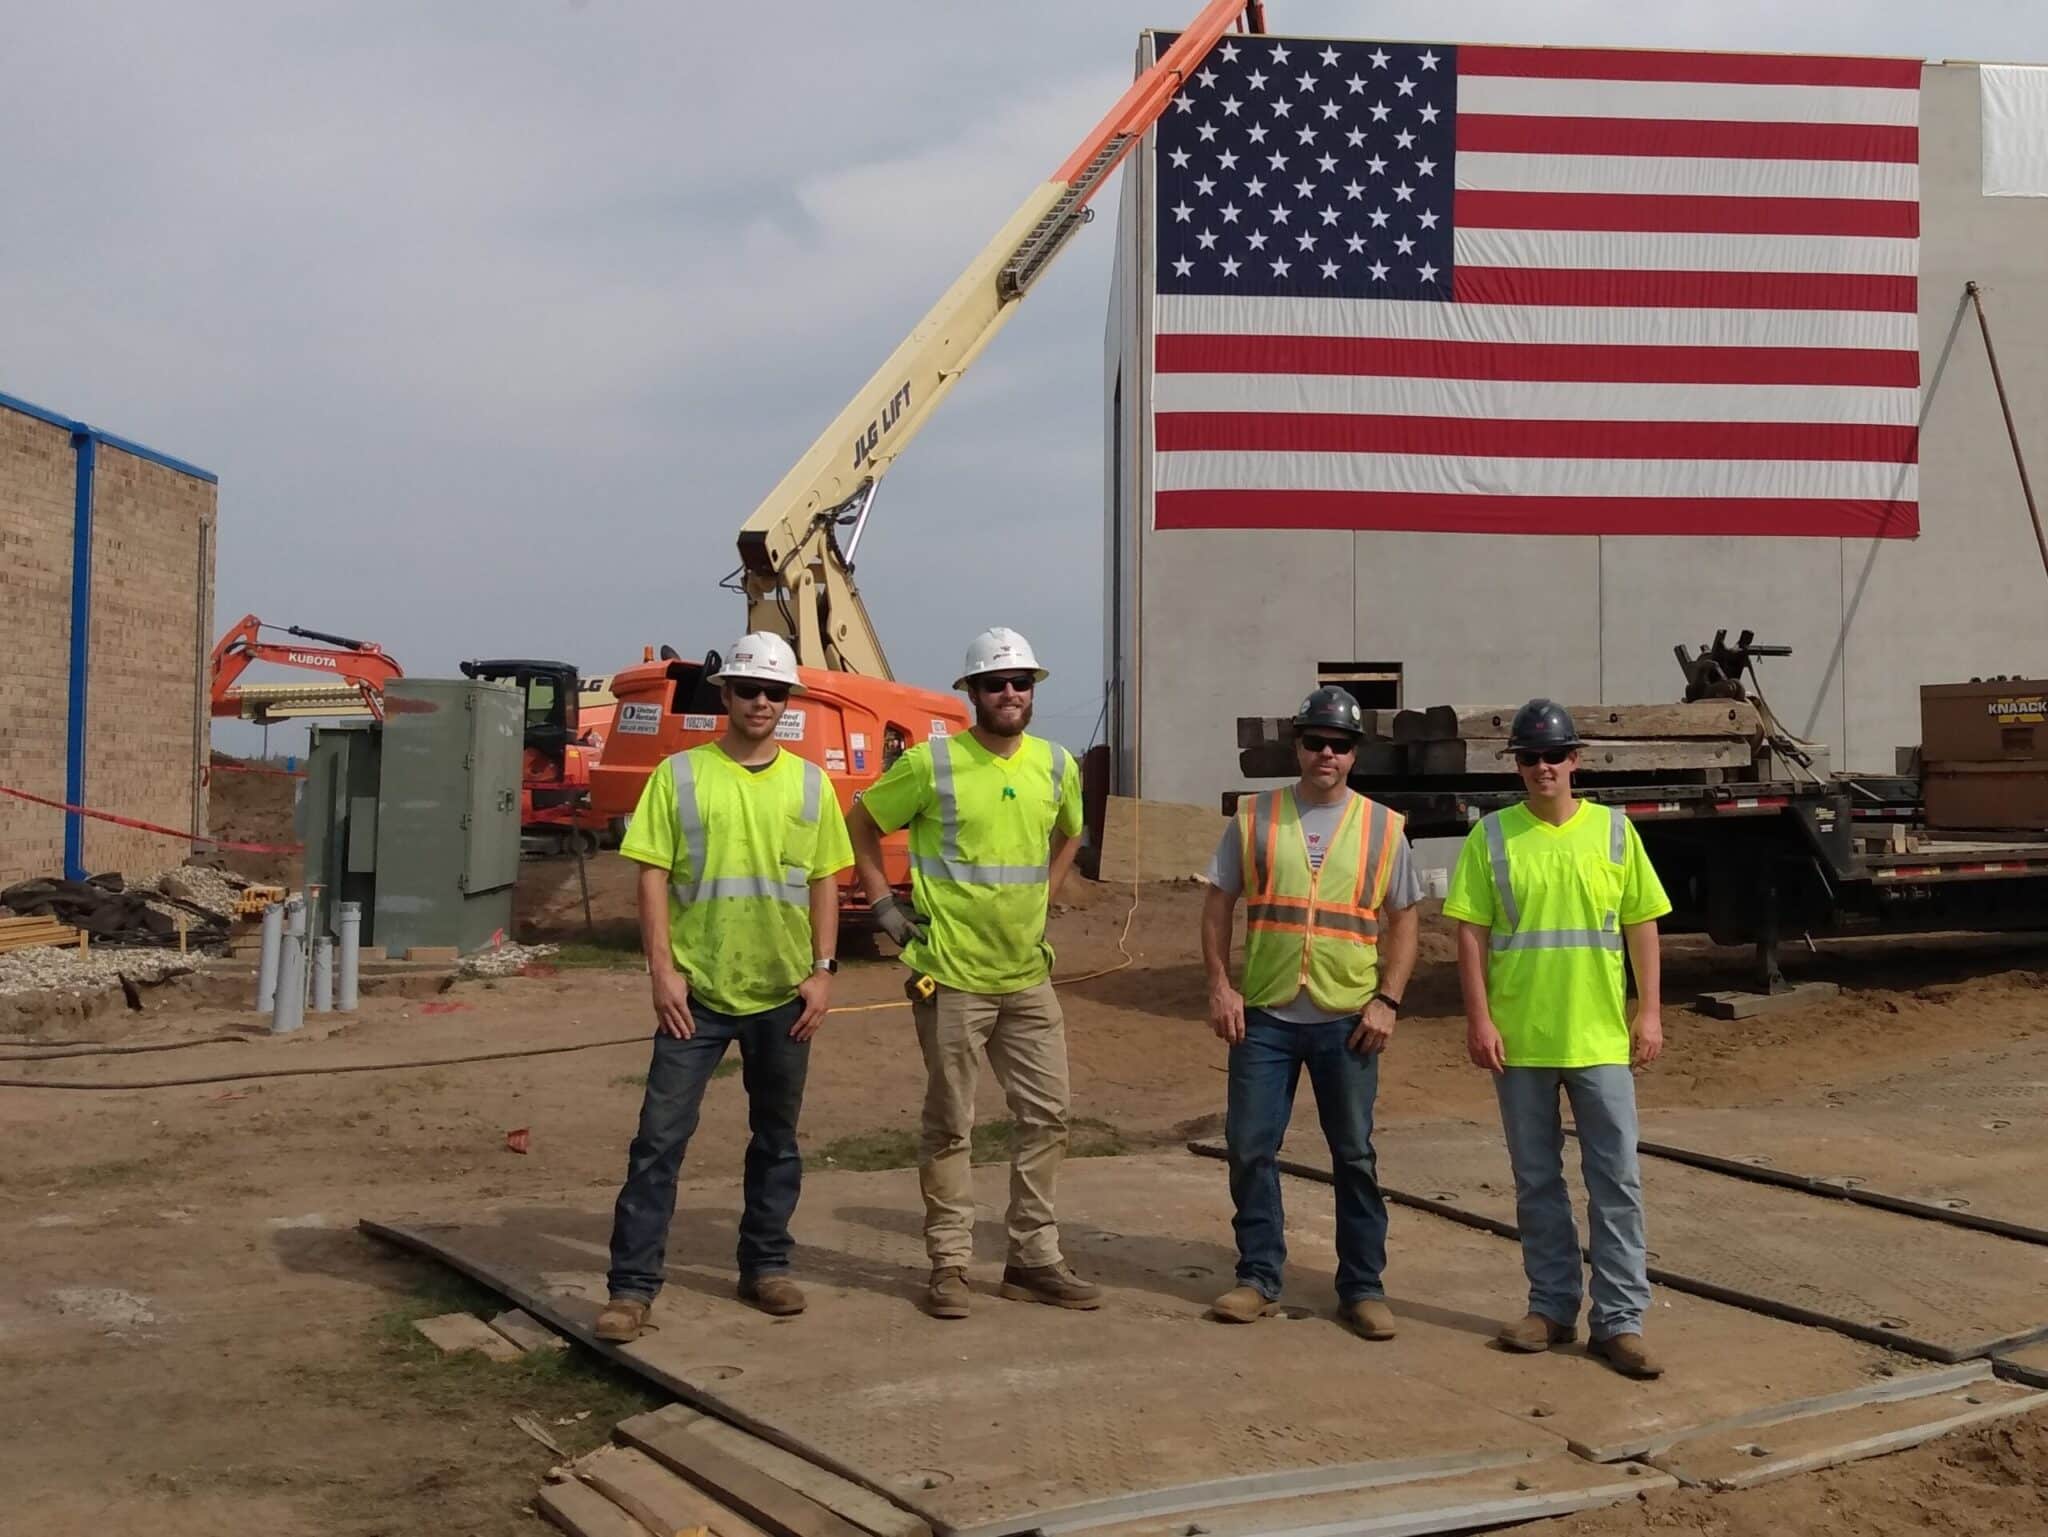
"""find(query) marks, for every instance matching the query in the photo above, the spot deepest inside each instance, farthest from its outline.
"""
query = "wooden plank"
(764, 1500)
(1436, 723)
(861, 1506)
(455, 1332)
(658, 1499)
(526, 1331)
(1709, 718)
(1277, 760)
(1489, 755)
(581, 1511)
(1265, 730)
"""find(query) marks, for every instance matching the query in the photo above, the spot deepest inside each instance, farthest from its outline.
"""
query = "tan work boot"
(622, 1319)
(773, 1293)
(1242, 1305)
(1535, 1333)
(1056, 1284)
(948, 1295)
(1625, 1353)
(1369, 1317)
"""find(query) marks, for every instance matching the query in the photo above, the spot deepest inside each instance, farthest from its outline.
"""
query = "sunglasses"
(1016, 682)
(1319, 744)
(1548, 755)
(776, 693)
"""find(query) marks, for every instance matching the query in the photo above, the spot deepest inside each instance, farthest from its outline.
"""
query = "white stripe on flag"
(1684, 176)
(1524, 400)
(1458, 474)
(1688, 100)
(1540, 324)
(1608, 251)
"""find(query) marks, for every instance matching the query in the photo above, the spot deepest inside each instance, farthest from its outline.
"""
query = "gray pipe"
(266, 965)
(351, 955)
(290, 1012)
(323, 975)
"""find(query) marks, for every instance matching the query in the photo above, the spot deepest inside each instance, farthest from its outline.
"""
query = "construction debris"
(188, 907)
(457, 1332)
(27, 933)
(501, 960)
(53, 970)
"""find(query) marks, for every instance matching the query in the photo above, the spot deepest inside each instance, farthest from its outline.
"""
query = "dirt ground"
(192, 1336)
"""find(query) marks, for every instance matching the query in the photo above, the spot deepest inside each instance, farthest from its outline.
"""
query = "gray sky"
(496, 319)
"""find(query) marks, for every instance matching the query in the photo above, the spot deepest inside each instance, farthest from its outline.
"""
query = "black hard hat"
(1330, 709)
(1541, 724)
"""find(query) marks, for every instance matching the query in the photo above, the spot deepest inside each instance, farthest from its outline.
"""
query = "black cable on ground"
(85, 1049)
(643, 1038)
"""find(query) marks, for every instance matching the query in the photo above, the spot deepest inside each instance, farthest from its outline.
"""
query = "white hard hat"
(999, 650)
(761, 658)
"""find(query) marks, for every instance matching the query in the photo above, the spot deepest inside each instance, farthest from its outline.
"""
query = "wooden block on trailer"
(760, 1497)
(1706, 718)
(1490, 755)
(581, 1511)
(658, 1499)
(456, 1332)
(1277, 760)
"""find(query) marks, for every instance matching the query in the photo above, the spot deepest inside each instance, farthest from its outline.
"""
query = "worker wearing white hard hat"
(741, 845)
(994, 818)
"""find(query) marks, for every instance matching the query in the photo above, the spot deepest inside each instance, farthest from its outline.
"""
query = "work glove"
(900, 923)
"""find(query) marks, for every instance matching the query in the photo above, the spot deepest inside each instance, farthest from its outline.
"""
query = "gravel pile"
(45, 969)
(506, 960)
(214, 890)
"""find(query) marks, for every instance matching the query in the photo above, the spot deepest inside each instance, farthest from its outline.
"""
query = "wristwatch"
(826, 964)
(1389, 1000)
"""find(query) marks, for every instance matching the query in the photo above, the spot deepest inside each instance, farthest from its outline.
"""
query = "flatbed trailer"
(1758, 862)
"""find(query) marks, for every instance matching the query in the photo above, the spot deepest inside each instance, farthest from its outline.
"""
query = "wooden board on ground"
(659, 1500)
(1802, 1443)
(760, 1497)
(1490, 755)
(457, 1332)
(1704, 718)
(1157, 840)
(581, 1511)
(861, 1506)
(526, 1331)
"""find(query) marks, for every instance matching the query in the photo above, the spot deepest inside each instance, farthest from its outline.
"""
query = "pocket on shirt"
(1599, 880)
(799, 842)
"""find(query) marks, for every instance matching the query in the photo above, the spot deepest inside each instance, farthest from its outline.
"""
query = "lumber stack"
(1714, 739)
(25, 933)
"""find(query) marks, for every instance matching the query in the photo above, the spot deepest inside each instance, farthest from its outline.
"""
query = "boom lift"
(795, 573)
(365, 667)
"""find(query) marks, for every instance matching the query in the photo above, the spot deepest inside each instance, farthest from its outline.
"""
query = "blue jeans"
(773, 1068)
(1264, 1069)
(1604, 1111)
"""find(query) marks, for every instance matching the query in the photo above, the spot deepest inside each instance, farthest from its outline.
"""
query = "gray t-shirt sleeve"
(1226, 865)
(1404, 884)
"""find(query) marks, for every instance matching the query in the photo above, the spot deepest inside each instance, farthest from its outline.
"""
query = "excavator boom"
(797, 578)
(365, 669)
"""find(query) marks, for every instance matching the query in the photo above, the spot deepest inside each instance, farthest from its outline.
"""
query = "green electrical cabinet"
(447, 821)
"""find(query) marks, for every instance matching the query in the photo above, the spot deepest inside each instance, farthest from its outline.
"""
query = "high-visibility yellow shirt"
(741, 848)
(1313, 928)
(1555, 900)
(981, 831)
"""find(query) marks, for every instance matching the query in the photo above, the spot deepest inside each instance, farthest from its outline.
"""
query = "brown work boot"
(1534, 1333)
(1056, 1284)
(1625, 1353)
(773, 1293)
(1369, 1317)
(622, 1319)
(948, 1295)
(1242, 1305)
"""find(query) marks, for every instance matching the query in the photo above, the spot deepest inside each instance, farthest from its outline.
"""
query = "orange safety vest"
(1317, 929)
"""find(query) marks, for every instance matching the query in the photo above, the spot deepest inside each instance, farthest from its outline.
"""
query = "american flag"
(1537, 290)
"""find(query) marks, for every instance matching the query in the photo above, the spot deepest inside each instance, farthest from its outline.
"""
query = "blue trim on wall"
(85, 446)
(79, 429)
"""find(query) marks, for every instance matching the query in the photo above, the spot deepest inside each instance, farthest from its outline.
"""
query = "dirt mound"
(251, 801)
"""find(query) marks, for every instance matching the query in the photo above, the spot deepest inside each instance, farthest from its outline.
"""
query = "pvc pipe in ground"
(351, 954)
(290, 1012)
(323, 975)
(266, 964)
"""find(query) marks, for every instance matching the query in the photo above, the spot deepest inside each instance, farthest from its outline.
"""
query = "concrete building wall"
(148, 617)
(1234, 623)
(36, 492)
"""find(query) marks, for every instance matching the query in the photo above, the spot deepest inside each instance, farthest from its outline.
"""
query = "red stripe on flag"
(1304, 432)
(1703, 68)
(1587, 288)
(1471, 514)
(1691, 215)
(1679, 137)
(1198, 353)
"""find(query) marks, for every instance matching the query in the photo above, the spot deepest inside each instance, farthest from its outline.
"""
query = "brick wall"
(36, 491)
(147, 722)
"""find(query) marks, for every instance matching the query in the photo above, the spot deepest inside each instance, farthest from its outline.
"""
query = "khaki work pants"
(1025, 1037)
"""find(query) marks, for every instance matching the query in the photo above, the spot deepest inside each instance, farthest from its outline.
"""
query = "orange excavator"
(795, 573)
(360, 669)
